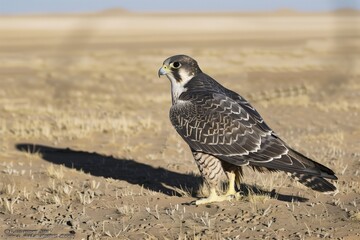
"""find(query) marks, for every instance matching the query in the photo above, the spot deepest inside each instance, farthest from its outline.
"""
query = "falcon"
(225, 133)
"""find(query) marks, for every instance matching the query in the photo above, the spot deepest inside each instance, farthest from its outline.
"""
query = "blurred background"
(68, 6)
(71, 70)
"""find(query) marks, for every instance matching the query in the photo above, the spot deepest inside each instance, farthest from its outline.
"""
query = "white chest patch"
(177, 88)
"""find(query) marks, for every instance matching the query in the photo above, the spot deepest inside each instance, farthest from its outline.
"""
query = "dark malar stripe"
(177, 76)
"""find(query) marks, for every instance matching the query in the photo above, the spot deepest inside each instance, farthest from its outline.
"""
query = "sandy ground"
(87, 150)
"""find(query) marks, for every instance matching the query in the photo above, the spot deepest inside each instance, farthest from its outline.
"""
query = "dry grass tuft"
(355, 216)
(258, 198)
(55, 172)
(7, 204)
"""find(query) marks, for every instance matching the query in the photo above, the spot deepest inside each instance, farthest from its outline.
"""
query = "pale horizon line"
(119, 10)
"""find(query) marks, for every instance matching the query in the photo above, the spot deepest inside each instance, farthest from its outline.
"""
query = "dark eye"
(176, 64)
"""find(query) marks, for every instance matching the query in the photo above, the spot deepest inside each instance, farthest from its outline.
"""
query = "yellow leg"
(231, 192)
(231, 189)
(213, 197)
(229, 195)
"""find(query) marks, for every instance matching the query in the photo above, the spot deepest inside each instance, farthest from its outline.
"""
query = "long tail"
(304, 170)
(315, 183)
(307, 177)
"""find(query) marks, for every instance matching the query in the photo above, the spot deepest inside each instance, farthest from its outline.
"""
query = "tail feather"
(315, 183)
(325, 172)
(308, 172)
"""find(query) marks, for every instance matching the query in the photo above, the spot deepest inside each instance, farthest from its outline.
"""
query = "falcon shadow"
(155, 179)
(247, 190)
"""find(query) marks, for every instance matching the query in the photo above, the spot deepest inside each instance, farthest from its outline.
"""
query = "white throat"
(177, 88)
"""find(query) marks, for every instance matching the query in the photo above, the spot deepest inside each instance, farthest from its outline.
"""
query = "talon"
(188, 203)
(237, 196)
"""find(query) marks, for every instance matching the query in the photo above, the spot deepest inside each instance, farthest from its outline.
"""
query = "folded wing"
(228, 127)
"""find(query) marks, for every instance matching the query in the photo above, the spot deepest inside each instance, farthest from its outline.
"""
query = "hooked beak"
(163, 70)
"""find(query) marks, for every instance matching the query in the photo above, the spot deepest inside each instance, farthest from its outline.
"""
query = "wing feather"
(225, 125)
(216, 124)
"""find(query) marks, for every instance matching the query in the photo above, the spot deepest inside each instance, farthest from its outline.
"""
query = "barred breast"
(210, 168)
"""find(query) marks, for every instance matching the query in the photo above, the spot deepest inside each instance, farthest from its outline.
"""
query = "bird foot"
(212, 199)
(233, 194)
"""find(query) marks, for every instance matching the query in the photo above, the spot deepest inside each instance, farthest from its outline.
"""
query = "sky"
(61, 6)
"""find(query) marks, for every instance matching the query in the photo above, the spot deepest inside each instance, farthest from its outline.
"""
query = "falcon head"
(179, 69)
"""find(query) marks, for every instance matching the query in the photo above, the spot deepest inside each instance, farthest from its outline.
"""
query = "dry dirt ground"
(87, 150)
